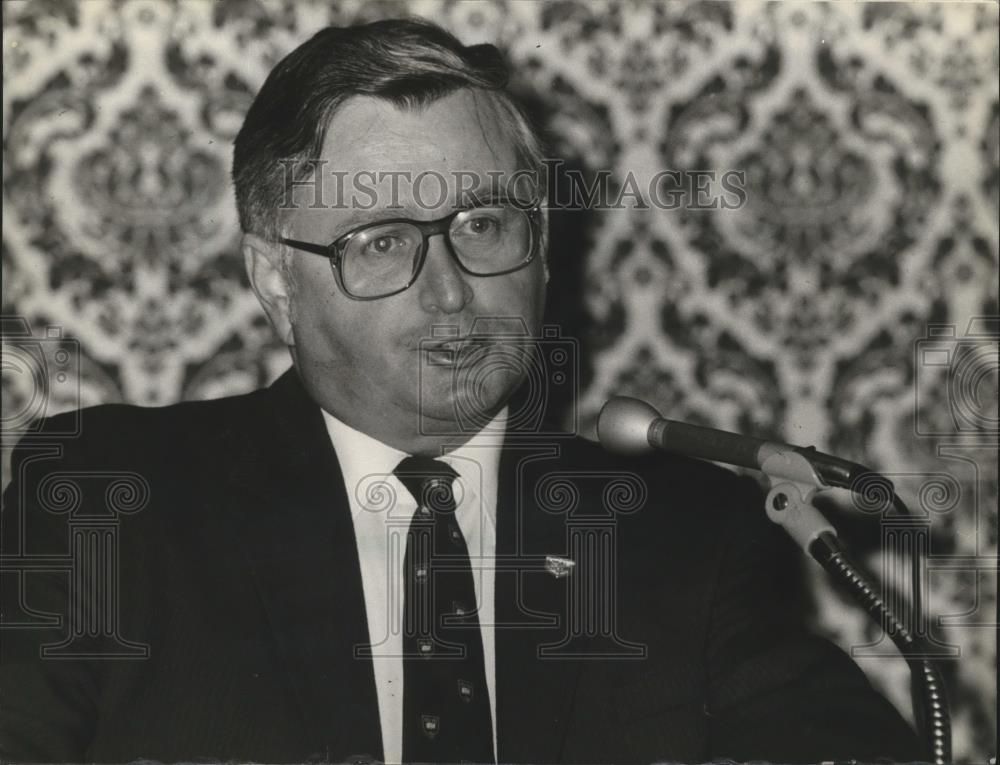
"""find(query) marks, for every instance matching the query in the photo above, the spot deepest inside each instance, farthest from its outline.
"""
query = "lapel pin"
(560, 568)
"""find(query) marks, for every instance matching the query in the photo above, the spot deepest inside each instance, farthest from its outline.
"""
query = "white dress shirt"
(381, 509)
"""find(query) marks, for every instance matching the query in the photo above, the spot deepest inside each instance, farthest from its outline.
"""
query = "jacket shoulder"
(674, 474)
(658, 501)
(130, 432)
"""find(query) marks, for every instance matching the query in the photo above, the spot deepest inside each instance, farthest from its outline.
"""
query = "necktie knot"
(429, 481)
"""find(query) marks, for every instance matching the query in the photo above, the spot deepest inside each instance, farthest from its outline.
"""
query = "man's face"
(362, 360)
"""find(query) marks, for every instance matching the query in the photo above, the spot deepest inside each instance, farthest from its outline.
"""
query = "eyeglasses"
(384, 258)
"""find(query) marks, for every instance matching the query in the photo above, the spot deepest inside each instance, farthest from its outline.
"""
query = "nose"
(442, 285)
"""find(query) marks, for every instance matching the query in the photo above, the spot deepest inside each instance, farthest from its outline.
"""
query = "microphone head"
(623, 425)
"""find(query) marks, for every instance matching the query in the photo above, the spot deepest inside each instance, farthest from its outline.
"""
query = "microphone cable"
(930, 704)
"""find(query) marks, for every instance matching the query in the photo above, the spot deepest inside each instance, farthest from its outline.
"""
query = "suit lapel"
(296, 528)
(534, 692)
(299, 539)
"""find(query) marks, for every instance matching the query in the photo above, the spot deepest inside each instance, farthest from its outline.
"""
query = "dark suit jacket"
(237, 604)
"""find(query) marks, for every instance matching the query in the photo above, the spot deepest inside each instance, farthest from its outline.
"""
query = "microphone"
(630, 426)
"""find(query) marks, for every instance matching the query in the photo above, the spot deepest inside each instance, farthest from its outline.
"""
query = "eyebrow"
(364, 217)
(359, 218)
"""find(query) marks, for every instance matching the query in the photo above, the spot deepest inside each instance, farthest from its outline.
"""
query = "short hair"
(407, 62)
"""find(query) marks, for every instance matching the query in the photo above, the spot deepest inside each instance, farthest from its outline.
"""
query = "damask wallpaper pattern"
(869, 140)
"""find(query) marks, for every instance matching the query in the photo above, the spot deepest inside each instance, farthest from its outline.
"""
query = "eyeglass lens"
(382, 258)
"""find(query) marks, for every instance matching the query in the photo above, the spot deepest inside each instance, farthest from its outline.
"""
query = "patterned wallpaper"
(868, 136)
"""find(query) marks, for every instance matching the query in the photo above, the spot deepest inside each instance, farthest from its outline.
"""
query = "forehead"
(455, 135)
(460, 126)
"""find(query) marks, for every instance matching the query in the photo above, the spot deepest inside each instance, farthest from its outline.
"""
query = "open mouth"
(456, 350)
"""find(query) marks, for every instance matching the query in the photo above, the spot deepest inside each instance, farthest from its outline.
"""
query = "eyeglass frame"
(335, 251)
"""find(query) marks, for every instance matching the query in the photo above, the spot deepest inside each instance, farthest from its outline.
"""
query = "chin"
(482, 395)
(459, 404)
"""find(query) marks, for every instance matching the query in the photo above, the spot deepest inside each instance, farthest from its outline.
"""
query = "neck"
(416, 433)
(429, 445)
(413, 431)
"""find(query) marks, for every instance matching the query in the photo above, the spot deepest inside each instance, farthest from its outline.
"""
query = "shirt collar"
(361, 457)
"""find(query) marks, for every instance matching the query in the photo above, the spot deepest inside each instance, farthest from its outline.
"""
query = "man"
(384, 555)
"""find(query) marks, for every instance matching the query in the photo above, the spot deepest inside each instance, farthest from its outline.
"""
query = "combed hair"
(408, 62)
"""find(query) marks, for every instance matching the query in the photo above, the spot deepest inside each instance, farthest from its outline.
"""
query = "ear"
(270, 283)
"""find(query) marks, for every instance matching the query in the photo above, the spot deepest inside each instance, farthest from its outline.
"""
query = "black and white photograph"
(500, 381)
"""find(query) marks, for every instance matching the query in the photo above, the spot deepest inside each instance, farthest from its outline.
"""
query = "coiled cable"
(930, 703)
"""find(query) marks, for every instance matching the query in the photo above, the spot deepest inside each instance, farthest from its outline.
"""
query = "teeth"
(448, 352)
(440, 356)
(455, 345)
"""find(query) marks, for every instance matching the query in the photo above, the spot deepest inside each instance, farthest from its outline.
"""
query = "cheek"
(361, 338)
(523, 294)
(325, 323)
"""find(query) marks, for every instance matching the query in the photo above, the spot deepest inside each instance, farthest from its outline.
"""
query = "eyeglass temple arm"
(317, 249)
